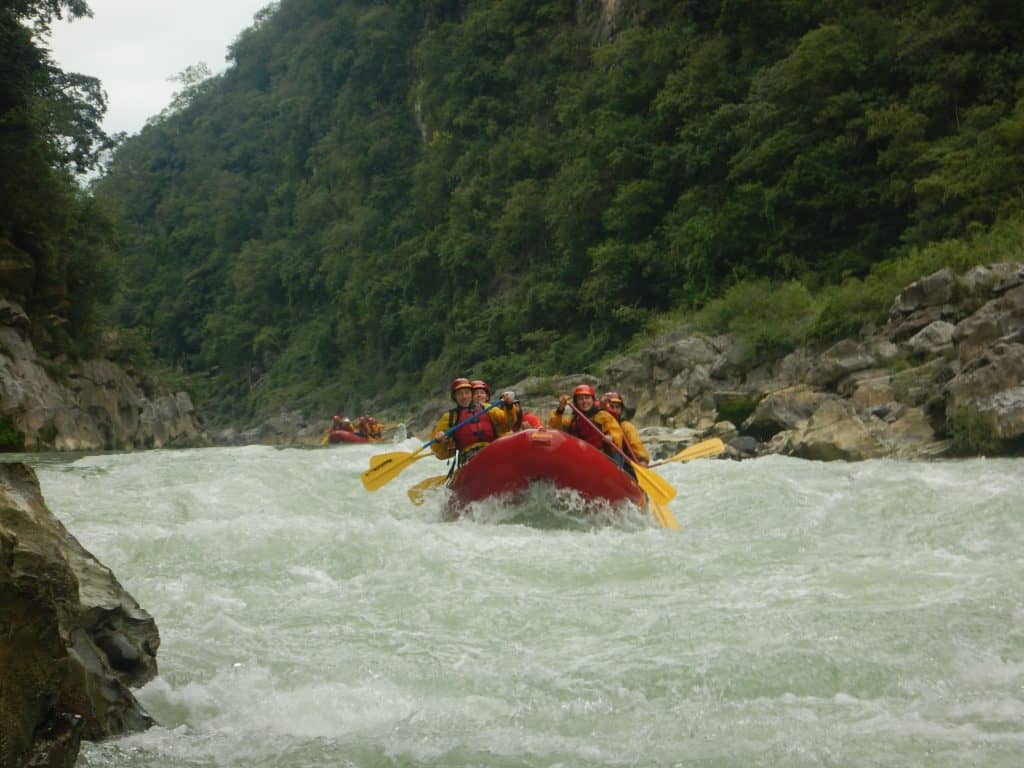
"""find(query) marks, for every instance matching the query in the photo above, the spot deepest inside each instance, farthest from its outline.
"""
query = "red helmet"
(613, 397)
(584, 389)
(460, 383)
(479, 384)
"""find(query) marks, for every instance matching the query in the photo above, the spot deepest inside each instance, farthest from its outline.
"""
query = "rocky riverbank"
(89, 405)
(72, 640)
(943, 377)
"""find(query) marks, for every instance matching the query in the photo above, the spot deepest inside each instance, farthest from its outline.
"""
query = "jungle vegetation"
(56, 245)
(377, 196)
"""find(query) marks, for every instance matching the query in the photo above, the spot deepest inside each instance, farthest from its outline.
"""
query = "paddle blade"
(388, 466)
(654, 485)
(701, 450)
(663, 515)
(387, 458)
(418, 491)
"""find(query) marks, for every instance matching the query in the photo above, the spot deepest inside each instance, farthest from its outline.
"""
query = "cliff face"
(92, 405)
(72, 642)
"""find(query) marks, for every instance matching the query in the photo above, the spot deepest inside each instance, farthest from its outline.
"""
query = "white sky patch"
(134, 46)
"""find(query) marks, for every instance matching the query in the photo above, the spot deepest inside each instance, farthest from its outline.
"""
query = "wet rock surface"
(89, 405)
(72, 640)
(943, 377)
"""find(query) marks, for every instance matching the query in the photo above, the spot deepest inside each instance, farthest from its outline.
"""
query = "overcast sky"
(133, 46)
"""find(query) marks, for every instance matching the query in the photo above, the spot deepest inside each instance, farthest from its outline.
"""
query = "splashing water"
(808, 615)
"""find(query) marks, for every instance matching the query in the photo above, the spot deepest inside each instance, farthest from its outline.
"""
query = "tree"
(376, 194)
(50, 131)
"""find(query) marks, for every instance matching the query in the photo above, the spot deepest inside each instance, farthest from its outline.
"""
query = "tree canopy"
(377, 196)
(55, 244)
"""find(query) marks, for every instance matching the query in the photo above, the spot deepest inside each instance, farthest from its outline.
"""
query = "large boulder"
(979, 284)
(33, 656)
(934, 340)
(834, 432)
(916, 386)
(849, 356)
(663, 442)
(781, 411)
(989, 389)
(169, 420)
(666, 383)
(922, 303)
(906, 433)
(1004, 412)
(773, 375)
(935, 289)
(868, 389)
(73, 639)
(994, 321)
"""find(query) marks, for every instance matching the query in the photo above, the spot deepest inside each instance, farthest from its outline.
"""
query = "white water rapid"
(809, 614)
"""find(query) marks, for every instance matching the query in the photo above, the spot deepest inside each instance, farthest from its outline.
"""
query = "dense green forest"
(376, 196)
(56, 245)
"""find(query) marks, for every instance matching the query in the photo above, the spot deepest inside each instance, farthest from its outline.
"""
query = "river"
(808, 614)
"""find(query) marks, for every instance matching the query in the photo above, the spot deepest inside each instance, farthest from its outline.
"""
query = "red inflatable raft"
(510, 464)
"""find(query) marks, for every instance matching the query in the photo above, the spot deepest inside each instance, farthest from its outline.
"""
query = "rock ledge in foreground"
(72, 640)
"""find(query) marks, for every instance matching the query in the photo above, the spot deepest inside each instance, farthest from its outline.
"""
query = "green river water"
(809, 614)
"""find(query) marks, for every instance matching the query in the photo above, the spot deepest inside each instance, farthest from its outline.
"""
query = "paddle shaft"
(448, 432)
(655, 486)
(700, 450)
(381, 474)
(597, 429)
(464, 422)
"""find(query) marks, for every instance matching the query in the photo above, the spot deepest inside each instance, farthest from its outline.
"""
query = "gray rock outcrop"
(92, 405)
(944, 375)
(72, 642)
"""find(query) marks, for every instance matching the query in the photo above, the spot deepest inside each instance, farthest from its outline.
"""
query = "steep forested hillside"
(54, 243)
(379, 195)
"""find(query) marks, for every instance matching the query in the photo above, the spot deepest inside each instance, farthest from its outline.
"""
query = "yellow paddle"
(389, 467)
(385, 467)
(416, 493)
(383, 458)
(327, 434)
(663, 514)
(701, 450)
(654, 485)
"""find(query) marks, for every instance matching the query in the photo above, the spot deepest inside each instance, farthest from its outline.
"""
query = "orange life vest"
(474, 432)
(626, 447)
(586, 430)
